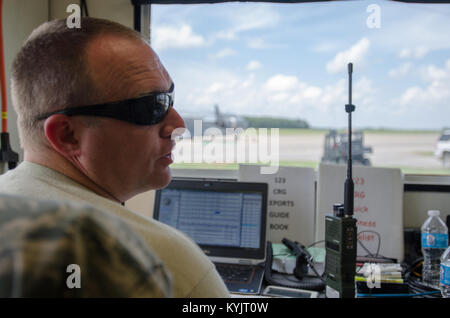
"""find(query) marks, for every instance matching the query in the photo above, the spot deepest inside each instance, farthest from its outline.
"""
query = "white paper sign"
(378, 206)
(290, 206)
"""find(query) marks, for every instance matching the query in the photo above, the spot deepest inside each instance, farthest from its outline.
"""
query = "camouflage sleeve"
(50, 249)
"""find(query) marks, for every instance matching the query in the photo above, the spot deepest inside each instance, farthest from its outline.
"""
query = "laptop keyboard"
(235, 273)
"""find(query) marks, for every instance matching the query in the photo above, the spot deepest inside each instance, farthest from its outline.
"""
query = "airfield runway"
(415, 150)
(406, 150)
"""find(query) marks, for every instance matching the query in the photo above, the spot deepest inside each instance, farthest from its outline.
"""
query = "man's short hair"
(51, 72)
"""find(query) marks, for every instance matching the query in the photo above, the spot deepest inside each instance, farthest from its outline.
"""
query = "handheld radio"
(340, 229)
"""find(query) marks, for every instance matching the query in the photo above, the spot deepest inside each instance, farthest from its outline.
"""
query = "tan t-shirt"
(193, 274)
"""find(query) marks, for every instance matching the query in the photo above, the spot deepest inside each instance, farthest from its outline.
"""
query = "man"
(96, 123)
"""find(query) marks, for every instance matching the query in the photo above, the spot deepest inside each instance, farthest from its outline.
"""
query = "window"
(285, 66)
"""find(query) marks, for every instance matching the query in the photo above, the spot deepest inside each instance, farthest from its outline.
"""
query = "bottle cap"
(434, 212)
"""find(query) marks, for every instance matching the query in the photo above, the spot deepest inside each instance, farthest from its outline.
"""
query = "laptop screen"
(227, 219)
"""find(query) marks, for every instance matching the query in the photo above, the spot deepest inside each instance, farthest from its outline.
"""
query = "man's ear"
(61, 134)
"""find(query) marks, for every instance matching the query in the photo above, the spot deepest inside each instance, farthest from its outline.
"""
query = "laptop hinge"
(244, 262)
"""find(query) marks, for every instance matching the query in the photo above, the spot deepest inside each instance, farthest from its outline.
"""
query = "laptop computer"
(227, 219)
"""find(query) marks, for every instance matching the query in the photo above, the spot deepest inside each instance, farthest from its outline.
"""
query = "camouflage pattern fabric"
(55, 249)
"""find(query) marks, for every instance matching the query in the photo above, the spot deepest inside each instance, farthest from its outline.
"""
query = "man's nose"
(173, 124)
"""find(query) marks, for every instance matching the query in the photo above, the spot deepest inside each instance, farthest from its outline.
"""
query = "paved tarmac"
(406, 150)
(396, 149)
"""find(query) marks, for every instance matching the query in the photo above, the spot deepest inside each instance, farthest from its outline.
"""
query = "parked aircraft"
(197, 125)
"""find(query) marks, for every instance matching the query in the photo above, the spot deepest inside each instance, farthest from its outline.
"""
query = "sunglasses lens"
(155, 110)
(146, 110)
(163, 102)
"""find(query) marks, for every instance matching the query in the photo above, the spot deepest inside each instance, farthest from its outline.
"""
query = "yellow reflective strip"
(4, 115)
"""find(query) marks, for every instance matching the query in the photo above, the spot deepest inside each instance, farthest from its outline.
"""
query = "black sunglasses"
(149, 109)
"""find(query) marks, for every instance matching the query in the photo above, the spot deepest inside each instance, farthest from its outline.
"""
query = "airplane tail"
(219, 118)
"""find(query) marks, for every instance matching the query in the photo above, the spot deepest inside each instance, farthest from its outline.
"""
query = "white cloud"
(355, 54)
(226, 35)
(437, 89)
(404, 53)
(280, 95)
(413, 33)
(249, 82)
(420, 52)
(411, 94)
(281, 82)
(292, 94)
(257, 43)
(401, 70)
(251, 18)
(224, 53)
(254, 65)
(165, 37)
(247, 19)
(417, 52)
(312, 92)
(333, 95)
(325, 47)
(215, 87)
(432, 73)
(364, 93)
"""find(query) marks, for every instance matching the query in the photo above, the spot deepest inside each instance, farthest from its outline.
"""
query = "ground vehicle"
(442, 150)
(336, 148)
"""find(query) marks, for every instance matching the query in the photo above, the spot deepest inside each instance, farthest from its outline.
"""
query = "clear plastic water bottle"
(434, 243)
(445, 273)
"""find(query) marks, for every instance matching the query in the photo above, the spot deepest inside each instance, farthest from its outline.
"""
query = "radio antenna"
(341, 229)
(349, 186)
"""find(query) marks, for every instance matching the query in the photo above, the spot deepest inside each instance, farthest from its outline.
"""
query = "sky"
(290, 60)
